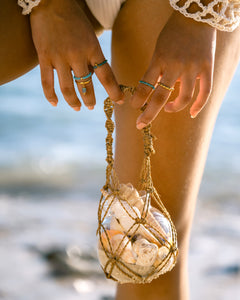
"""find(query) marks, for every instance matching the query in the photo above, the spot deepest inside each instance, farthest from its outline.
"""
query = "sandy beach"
(48, 251)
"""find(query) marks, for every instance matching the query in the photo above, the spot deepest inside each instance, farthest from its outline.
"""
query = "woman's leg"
(17, 52)
(182, 143)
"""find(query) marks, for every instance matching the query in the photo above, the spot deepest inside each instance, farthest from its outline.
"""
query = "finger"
(143, 91)
(185, 95)
(105, 75)
(203, 95)
(47, 79)
(67, 87)
(86, 90)
(158, 100)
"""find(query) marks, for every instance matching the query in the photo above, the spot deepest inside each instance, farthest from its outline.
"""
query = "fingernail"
(193, 116)
(141, 125)
(53, 103)
(90, 107)
(76, 108)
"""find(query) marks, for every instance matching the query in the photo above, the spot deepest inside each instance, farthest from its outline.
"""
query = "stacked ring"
(84, 80)
(99, 65)
(166, 87)
(148, 84)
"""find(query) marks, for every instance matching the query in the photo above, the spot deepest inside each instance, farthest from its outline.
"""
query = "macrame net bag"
(136, 242)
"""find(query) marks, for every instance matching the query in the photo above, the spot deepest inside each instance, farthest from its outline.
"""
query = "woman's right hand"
(65, 41)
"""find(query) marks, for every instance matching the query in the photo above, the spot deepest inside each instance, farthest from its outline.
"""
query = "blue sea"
(58, 155)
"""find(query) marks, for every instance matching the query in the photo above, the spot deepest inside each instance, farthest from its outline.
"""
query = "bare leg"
(17, 52)
(182, 143)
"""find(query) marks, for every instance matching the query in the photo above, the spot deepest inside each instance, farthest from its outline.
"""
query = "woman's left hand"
(185, 51)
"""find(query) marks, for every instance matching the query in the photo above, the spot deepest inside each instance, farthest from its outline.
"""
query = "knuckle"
(67, 90)
(147, 119)
(143, 91)
(207, 64)
(107, 79)
(47, 86)
(207, 90)
(186, 99)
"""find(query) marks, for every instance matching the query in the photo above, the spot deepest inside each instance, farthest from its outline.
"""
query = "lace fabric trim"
(221, 14)
(28, 5)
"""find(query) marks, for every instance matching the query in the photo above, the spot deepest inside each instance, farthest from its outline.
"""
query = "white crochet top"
(221, 14)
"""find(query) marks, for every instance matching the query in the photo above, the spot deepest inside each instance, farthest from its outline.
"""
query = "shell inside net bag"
(136, 241)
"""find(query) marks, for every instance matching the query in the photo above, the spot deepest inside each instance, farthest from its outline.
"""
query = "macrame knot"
(140, 221)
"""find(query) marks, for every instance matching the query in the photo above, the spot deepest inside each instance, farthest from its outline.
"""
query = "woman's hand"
(184, 52)
(65, 41)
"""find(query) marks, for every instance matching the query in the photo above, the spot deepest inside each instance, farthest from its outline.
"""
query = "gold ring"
(83, 83)
(166, 87)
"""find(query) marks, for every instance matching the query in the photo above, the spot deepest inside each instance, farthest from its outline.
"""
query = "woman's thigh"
(17, 51)
(182, 143)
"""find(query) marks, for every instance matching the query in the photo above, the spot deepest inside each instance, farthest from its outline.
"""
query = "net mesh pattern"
(221, 14)
(127, 221)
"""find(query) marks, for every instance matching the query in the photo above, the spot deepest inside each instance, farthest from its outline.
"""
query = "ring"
(83, 81)
(148, 84)
(99, 65)
(83, 77)
(166, 87)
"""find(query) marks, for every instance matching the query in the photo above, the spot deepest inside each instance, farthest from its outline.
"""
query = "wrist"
(190, 23)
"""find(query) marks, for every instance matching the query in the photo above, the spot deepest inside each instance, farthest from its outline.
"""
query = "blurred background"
(52, 165)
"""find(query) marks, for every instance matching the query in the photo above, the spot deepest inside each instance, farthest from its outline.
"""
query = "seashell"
(162, 253)
(147, 252)
(119, 271)
(126, 215)
(115, 224)
(126, 212)
(129, 193)
(118, 242)
(169, 265)
(106, 238)
(107, 195)
(163, 222)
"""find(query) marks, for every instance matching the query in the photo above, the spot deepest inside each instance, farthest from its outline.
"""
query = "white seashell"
(115, 224)
(129, 193)
(169, 265)
(126, 215)
(147, 252)
(155, 227)
(162, 253)
(107, 195)
(121, 275)
(163, 222)
(118, 242)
